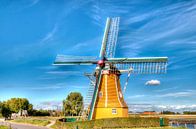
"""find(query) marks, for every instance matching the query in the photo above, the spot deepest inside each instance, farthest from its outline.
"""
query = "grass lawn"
(3, 127)
(34, 121)
(152, 128)
(121, 123)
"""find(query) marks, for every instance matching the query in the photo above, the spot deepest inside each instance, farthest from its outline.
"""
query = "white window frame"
(114, 111)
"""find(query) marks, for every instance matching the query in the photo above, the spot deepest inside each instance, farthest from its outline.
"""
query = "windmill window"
(114, 111)
(100, 94)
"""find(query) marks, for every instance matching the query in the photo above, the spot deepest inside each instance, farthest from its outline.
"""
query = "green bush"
(112, 123)
(39, 113)
(189, 113)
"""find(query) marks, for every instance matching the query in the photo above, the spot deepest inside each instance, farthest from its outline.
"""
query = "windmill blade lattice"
(110, 38)
(74, 60)
(146, 65)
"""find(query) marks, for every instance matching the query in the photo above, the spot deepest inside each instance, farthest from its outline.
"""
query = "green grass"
(1, 115)
(3, 127)
(34, 121)
(121, 123)
(153, 128)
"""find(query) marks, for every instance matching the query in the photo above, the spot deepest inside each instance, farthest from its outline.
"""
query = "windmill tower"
(107, 99)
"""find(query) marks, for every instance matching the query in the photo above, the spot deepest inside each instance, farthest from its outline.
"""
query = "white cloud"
(187, 93)
(145, 36)
(46, 67)
(49, 36)
(177, 107)
(153, 82)
(91, 43)
(46, 88)
(80, 87)
(34, 2)
(136, 96)
(100, 10)
(49, 105)
(45, 77)
(159, 108)
(65, 72)
(167, 89)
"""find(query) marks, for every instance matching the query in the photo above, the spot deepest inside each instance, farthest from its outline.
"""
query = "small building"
(149, 113)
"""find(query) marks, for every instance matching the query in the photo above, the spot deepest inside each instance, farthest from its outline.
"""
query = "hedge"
(112, 123)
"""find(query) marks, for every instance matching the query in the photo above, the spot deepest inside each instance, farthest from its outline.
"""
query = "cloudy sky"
(33, 32)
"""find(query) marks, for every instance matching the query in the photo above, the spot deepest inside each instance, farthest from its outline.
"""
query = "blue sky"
(33, 32)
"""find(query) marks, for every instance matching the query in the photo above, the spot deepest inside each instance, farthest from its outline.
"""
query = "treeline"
(72, 106)
(45, 113)
(173, 113)
(169, 112)
(14, 105)
(21, 106)
(189, 112)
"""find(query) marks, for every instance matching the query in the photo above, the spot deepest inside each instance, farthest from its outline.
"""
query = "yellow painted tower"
(110, 102)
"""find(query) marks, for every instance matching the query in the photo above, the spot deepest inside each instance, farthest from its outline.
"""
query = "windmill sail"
(107, 50)
(108, 47)
(94, 97)
(110, 65)
(74, 60)
(144, 65)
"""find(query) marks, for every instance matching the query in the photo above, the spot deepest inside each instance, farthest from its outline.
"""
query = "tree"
(1, 104)
(39, 113)
(73, 104)
(168, 112)
(17, 104)
(30, 107)
(5, 111)
(189, 112)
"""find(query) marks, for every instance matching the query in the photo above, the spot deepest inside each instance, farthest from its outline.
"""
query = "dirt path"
(23, 126)
(51, 123)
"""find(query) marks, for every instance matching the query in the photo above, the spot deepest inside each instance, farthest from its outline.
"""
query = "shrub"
(39, 113)
(112, 123)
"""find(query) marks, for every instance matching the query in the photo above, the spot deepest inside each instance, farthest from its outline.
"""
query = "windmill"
(107, 98)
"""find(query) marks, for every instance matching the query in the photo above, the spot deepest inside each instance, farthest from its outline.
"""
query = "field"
(134, 121)
(130, 122)
(152, 128)
(3, 127)
(33, 120)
